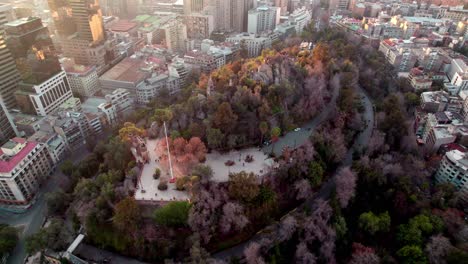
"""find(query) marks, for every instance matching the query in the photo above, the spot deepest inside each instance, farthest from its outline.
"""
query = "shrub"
(157, 173)
(162, 186)
(181, 183)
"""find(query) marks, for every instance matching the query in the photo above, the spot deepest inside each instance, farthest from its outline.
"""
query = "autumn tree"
(243, 186)
(129, 130)
(233, 218)
(345, 182)
(127, 215)
(224, 118)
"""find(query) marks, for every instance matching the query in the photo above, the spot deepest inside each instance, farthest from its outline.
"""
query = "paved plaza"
(221, 172)
(147, 189)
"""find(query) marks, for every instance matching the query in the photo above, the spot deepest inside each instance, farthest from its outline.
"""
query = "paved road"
(296, 139)
(33, 218)
(272, 231)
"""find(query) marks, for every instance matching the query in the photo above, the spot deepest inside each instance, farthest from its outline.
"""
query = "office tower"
(61, 13)
(338, 4)
(9, 76)
(263, 18)
(231, 15)
(194, 6)
(7, 128)
(43, 98)
(87, 16)
(283, 4)
(32, 48)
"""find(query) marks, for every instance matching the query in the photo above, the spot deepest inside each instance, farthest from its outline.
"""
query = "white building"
(300, 18)
(458, 75)
(252, 42)
(23, 166)
(56, 145)
(121, 99)
(83, 79)
(454, 169)
(44, 98)
(262, 19)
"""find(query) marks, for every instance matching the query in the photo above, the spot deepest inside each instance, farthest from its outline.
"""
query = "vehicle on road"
(297, 129)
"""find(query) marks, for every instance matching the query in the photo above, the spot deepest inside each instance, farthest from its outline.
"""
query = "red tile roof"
(8, 165)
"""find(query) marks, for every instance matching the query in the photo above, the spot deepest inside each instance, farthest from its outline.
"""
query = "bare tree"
(345, 186)
(233, 217)
(253, 255)
(438, 247)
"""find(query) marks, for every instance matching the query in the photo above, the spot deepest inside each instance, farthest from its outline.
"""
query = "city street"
(34, 217)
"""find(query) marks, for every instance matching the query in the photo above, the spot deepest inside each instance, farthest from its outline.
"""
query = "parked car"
(297, 129)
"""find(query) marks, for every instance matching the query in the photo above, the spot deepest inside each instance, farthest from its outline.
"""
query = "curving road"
(272, 231)
(295, 139)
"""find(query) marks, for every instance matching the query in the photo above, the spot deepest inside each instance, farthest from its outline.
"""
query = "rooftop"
(128, 70)
(7, 164)
(123, 26)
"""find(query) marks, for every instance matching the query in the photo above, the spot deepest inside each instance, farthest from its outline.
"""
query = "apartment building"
(454, 169)
(263, 19)
(84, 80)
(23, 167)
(252, 42)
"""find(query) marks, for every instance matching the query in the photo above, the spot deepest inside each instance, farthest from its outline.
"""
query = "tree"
(374, 223)
(127, 215)
(215, 138)
(204, 172)
(409, 235)
(224, 118)
(57, 202)
(275, 133)
(243, 186)
(162, 115)
(67, 167)
(8, 239)
(315, 174)
(54, 236)
(438, 248)
(174, 214)
(129, 130)
(263, 127)
(411, 254)
(363, 255)
(345, 182)
(233, 218)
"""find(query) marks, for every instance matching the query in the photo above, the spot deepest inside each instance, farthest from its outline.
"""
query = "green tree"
(263, 130)
(57, 201)
(412, 254)
(67, 167)
(215, 138)
(315, 174)
(127, 215)
(243, 186)
(457, 256)
(374, 223)
(409, 235)
(411, 99)
(8, 239)
(162, 115)
(174, 214)
(55, 236)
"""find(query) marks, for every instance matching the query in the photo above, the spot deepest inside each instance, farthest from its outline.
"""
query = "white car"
(297, 129)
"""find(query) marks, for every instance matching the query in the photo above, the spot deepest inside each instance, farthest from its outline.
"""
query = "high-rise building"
(43, 98)
(9, 76)
(61, 13)
(23, 166)
(32, 48)
(231, 15)
(87, 16)
(7, 128)
(338, 4)
(283, 5)
(194, 6)
(263, 19)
